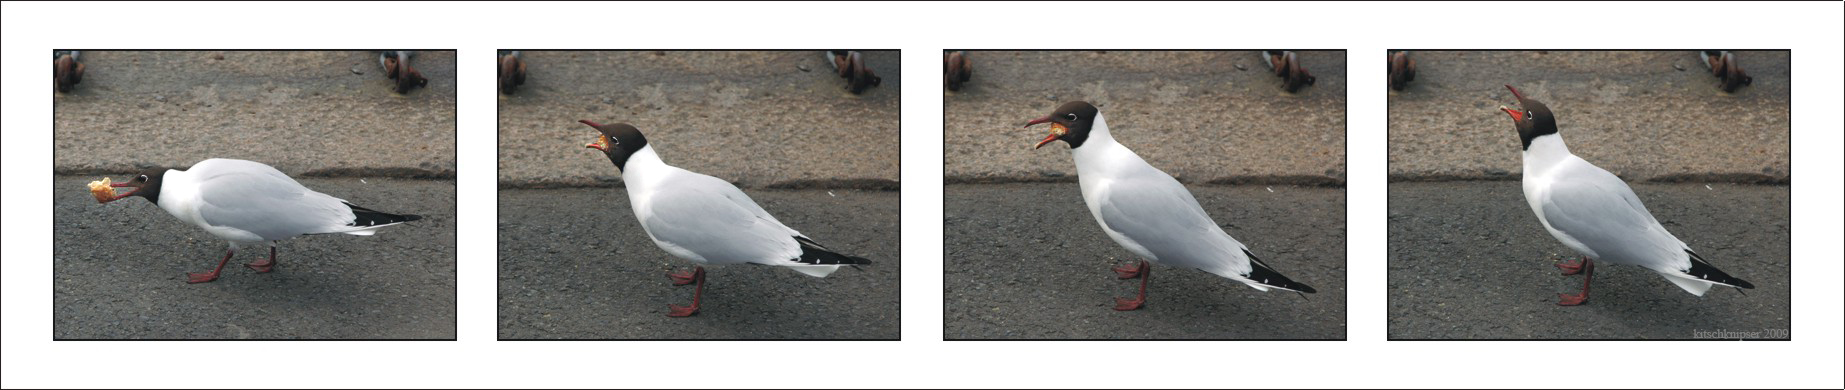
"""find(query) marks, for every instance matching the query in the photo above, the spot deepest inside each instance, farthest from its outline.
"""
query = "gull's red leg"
(698, 276)
(265, 265)
(681, 278)
(1588, 274)
(1130, 271)
(1145, 272)
(1572, 267)
(213, 275)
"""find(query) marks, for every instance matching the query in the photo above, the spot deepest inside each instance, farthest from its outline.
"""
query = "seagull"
(956, 69)
(851, 66)
(1148, 212)
(65, 70)
(397, 67)
(1286, 65)
(512, 71)
(247, 202)
(1596, 214)
(1722, 64)
(704, 219)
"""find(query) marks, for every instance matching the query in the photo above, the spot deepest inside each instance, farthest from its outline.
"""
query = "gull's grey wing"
(1161, 216)
(716, 222)
(261, 200)
(1600, 211)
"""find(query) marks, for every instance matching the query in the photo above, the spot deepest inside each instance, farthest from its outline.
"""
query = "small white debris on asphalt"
(830, 193)
(1270, 189)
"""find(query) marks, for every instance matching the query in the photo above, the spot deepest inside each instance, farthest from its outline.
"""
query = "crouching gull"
(246, 202)
(705, 219)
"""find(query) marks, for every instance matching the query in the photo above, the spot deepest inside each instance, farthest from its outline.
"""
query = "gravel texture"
(1193, 114)
(757, 118)
(314, 113)
(1636, 114)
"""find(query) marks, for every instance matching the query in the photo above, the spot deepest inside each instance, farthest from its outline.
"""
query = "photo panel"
(1665, 215)
(254, 195)
(1064, 170)
(699, 195)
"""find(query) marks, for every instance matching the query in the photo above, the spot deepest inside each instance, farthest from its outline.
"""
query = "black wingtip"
(814, 253)
(368, 217)
(1704, 271)
(1261, 273)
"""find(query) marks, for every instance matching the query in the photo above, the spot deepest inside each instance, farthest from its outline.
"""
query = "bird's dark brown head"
(1531, 117)
(618, 141)
(146, 185)
(1071, 123)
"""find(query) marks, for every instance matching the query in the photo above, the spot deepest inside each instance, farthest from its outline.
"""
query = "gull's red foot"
(1124, 304)
(262, 266)
(1572, 299)
(201, 277)
(682, 311)
(1571, 267)
(682, 278)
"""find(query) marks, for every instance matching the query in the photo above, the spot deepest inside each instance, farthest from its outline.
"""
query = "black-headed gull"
(1148, 212)
(704, 219)
(397, 67)
(1596, 214)
(247, 202)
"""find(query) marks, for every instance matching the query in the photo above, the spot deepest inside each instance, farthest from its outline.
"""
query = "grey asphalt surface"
(1193, 114)
(574, 264)
(315, 113)
(1027, 261)
(755, 118)
(1633, 113)
(120, 271)
(1468, 260)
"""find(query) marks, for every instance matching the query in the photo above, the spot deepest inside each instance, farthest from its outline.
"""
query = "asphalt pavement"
(1469, 260)
(1027, 261)
(313, 113)
(1202, 116)
(119, 271)
(575, 264)
(1645, 116)
(757, 118)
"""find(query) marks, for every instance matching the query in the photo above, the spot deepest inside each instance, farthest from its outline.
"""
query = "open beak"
(602, 142)
(1057, 130)
(1517, 115)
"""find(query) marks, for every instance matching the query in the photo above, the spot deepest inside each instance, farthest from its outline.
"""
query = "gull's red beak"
(1057, 130)
(1517, 115)
(602, 142)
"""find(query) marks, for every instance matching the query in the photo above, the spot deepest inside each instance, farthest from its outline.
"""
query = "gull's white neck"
(644, 169)
(1100, 153)
(1545, 152)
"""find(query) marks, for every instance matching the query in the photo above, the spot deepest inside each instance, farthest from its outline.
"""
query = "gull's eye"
(1071, 116)
(142, 178)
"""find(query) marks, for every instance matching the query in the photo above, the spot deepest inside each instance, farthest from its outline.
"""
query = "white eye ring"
(1071, 116)
(143, 178)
